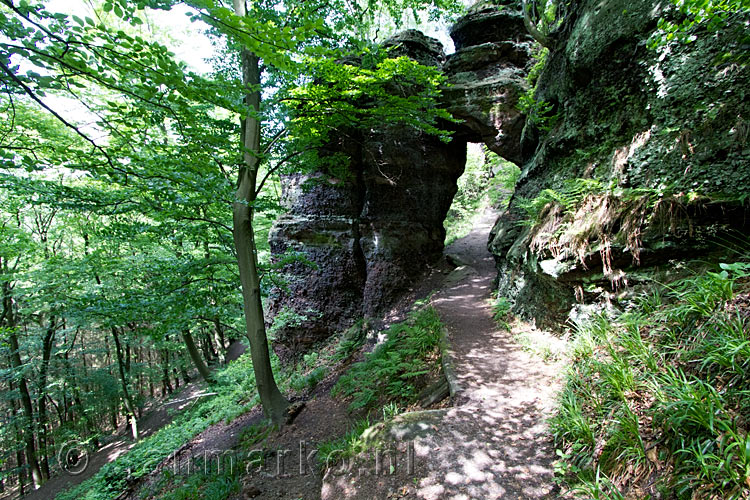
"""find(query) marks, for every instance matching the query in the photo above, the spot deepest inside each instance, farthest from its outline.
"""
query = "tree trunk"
(129, 405)
(21, 471)
(149, 357)
(113, 416)
(28, 410)
(47, 345)
(28, 433)
(210, 344)
(196, 356)
(220, 340)
(166, 384)
(127, 359)
(183, 371)
(273, 402)
(204, 347)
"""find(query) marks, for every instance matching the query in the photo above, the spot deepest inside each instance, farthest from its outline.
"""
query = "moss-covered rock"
(665, 123)
(487, 77)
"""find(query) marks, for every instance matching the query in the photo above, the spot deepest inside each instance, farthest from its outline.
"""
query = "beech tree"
(172, 154)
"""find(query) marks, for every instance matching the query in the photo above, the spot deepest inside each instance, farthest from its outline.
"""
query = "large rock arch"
(372, 234)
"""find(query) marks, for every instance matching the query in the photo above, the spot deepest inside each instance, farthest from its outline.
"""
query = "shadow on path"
(494, 443)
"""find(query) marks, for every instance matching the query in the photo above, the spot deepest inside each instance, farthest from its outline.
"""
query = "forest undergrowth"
(377, 385)
(657, 400)
(236, 394)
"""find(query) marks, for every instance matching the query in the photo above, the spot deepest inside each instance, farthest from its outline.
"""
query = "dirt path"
(493, 444)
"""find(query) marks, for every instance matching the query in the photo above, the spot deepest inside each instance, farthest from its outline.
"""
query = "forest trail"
(494, 442)
(154, 418)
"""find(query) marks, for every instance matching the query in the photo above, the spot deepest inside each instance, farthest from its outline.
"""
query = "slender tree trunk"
(66, 414)
(127, 358)
(21, 471)
(183, 371)
(204, 347)
(28, 433)
(210, 344)
(196, 356)
(166, 384)
(220, 340)
(113, 417)
(85, 365)
(149, 357)
(127, 399)
(139, 361)
(273, 402)
(28, 410)
(47, 345)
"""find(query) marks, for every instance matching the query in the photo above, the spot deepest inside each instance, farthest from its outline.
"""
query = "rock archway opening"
(373, 233)
(488, 181)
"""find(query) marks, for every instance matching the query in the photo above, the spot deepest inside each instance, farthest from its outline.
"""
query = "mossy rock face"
(671, 119)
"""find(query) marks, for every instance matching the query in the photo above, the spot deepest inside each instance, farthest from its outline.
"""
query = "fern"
(571, 194)
(393, 368)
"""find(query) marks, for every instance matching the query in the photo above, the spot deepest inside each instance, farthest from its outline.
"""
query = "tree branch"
(54, 113)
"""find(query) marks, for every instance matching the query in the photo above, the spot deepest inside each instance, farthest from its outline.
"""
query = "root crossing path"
(494, 443)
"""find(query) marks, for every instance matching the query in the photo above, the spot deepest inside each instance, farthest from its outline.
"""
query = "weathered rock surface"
(487, 76)
(373, 232)
(369, 236)
(667, 126)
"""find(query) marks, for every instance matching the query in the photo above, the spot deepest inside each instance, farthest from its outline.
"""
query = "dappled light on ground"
(494, 443)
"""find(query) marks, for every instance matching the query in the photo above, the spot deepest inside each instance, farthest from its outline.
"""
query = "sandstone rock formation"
(371, 234)
(487, 76)
(657, 134)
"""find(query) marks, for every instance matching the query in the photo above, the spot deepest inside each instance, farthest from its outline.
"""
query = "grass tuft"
(658, 399)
